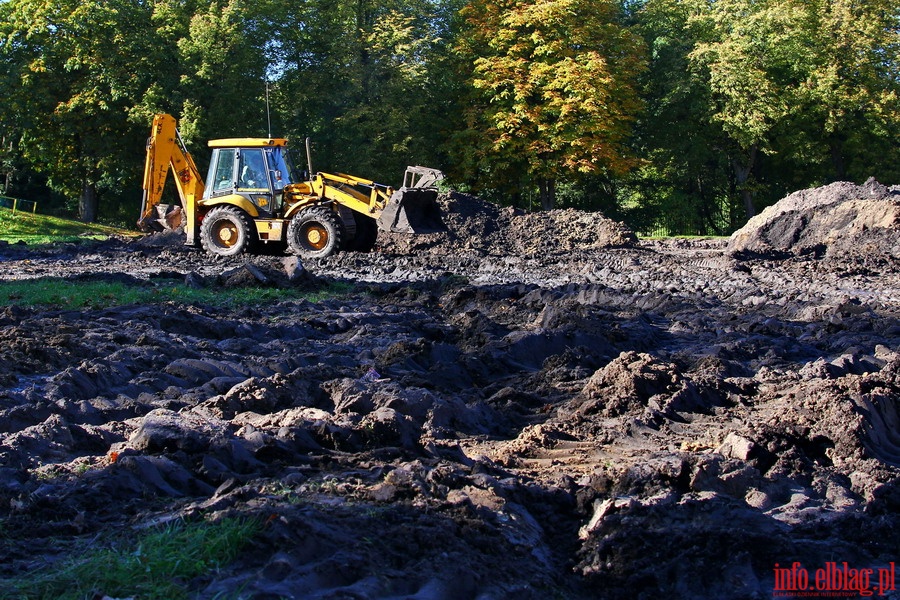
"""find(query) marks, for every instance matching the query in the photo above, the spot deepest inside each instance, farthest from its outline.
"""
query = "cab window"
(252, 170)
(281, 168)
(222, 169)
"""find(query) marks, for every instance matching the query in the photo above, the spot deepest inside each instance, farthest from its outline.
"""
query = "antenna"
(268, 116)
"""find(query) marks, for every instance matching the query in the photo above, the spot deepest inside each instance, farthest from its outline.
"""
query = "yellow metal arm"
(346, 189)
(165, 150)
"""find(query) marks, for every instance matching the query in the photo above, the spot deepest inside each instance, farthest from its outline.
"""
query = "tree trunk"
(87, 205)
(742, 175)
(548, 193)
(516, 199)
(9, 167)
(836, 144)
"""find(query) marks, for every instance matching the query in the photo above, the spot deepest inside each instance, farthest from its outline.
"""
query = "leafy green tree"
(794, 77)
(685, 182)
(168, 87)
(358, 78)
(79, 66)
(851, 88)
(555, 88)
(390, 118)
(223, 79)
(309, 54)
(745, 52)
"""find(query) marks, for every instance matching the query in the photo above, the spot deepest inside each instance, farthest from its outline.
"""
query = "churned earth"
(523, 406)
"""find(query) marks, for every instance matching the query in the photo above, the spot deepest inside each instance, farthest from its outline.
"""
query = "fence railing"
(691, 225)
(18, 204)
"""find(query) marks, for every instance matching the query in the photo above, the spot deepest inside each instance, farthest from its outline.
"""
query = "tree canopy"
(555, 84)
(651, 109)
(779, 70)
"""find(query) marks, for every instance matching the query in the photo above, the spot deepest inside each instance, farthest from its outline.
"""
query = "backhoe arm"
(165, 150)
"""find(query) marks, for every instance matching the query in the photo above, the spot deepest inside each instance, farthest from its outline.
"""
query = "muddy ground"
(524, 406)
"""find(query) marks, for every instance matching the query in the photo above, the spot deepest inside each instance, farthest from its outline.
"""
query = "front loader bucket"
(412, 210)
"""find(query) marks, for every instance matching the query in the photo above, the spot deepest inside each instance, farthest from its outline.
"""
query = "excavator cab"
(255, 169)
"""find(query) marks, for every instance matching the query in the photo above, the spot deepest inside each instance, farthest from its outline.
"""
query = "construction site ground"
(524, 406)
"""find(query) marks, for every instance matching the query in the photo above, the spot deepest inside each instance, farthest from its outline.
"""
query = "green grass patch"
(50, 292)
(60, 293)
(43, 229)
(159, 564)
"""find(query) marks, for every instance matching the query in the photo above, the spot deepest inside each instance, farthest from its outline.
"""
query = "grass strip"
(36, 229)
(54, 292)
(158, 565)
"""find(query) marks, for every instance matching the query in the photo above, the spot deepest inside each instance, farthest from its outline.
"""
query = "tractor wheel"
(225, 231)
(315, 233)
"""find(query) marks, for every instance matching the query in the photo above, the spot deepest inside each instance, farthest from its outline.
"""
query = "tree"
(851, 87)
(393, 111)
(357, 76)
(745, 52)
(554, 85)
(685, 181)
(80, 67)
(223, 61)
(793, 76)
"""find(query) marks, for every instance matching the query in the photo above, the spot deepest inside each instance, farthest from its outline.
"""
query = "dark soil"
(523, 406)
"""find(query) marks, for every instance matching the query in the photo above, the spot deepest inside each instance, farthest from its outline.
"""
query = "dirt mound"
(841, 220)
(628, 383)
(474, 224)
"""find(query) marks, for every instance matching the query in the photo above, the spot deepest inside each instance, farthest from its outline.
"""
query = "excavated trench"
(524, 405)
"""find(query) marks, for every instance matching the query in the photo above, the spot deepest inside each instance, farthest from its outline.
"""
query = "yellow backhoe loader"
(256, 196)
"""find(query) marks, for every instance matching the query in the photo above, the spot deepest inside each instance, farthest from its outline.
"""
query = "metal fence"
(685, 225)
(17, 204)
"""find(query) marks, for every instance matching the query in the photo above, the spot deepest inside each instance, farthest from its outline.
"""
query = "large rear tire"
(315, 233)
(225, 231)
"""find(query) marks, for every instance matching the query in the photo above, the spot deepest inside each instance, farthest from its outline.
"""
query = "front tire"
(315, 233)
(225, 231)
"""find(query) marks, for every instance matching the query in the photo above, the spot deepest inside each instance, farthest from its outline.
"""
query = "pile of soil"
(476, 225)
(841, 221)
(475, 417)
